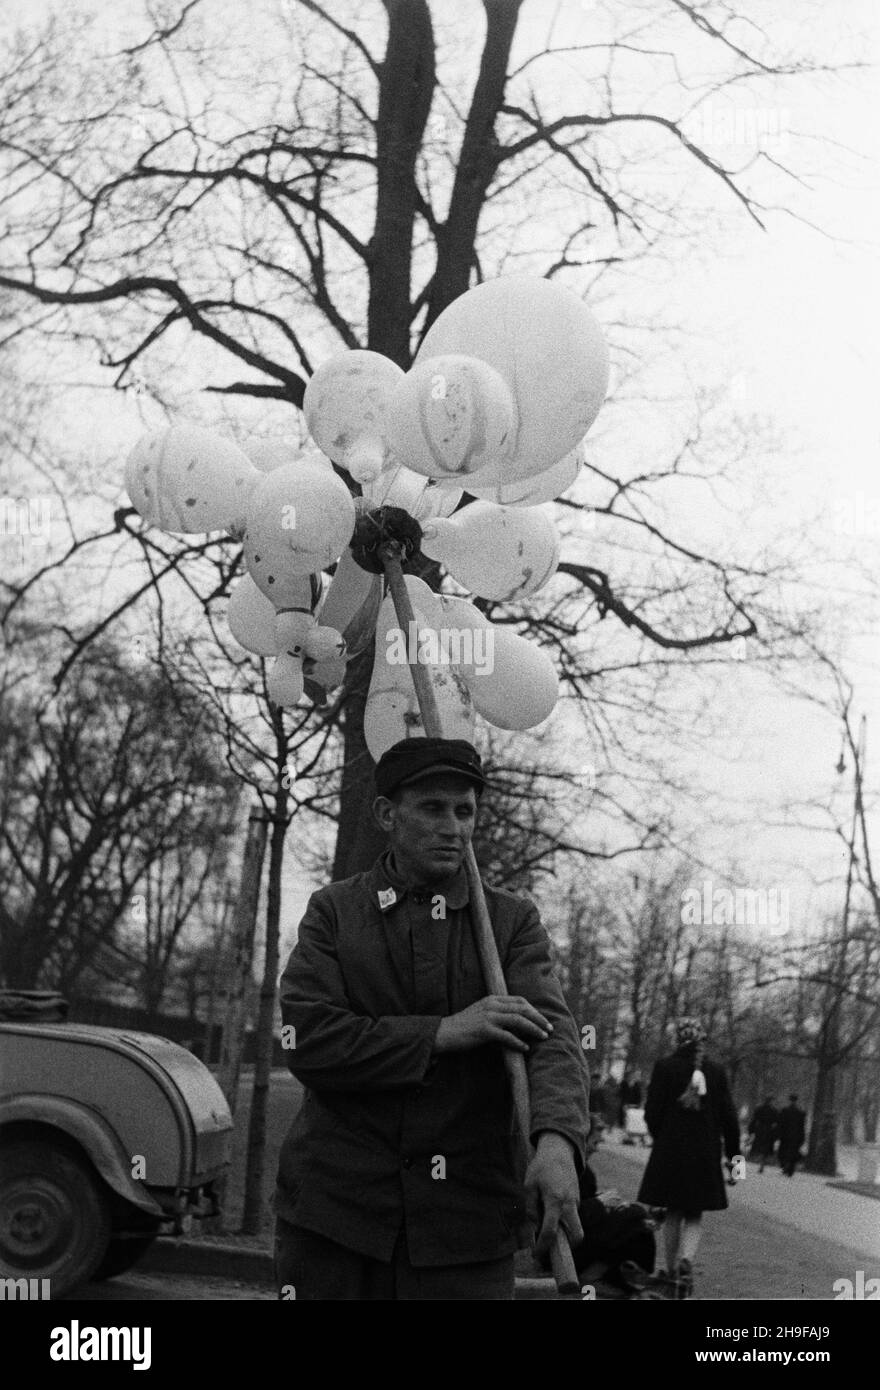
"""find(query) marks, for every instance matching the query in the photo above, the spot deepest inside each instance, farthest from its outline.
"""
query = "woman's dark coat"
(684, 1171)
(764, 1126)
(792, 1133)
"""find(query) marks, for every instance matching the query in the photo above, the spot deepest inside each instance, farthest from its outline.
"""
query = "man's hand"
(552, 1192)
(499, 1018)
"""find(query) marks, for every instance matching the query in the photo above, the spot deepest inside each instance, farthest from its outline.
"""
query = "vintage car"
(108, 1138)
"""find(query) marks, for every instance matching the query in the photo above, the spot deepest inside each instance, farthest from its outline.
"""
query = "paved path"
(781, 1238)
(149, 1288)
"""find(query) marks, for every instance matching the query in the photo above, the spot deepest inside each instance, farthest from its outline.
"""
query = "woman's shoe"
(685, 1280)
(663, 1284)
(633, 1276)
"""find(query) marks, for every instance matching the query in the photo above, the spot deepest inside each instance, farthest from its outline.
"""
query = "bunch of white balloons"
(506, 384)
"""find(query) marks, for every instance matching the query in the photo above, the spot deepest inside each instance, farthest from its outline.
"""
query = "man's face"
(430, 825)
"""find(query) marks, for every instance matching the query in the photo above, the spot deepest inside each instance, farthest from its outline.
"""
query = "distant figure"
(612, 1101)
(630, 1094)
(764, 1128)
(597, 1104)
(792, 1132)
(688, 1111)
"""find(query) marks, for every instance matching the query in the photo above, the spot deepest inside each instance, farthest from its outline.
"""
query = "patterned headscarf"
(689, 1030)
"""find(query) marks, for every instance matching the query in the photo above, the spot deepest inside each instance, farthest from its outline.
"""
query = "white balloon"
(351, 606)
(349, 589)
(186, 481)
(548, 348)
(270, 454)
(299, 520)
(469, 635)
(450, 416)
(502, 553)
(345, 406)
(398, 486)
(324, 644)
(251, 618)
(392, 709)
(292, 630)
(285, 682)
(520, 688)
(529, 492)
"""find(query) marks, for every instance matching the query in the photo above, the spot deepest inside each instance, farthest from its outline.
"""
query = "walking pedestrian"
(597, 1106)
(612, 1102)
(688, 1112)
(633, 1115)
(792, 1132)
(764, 1127)
(630, 1090)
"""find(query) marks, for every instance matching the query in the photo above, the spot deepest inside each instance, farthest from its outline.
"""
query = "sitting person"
(618, 1248)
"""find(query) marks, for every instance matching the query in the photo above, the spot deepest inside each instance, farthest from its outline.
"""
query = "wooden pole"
(562, 1263)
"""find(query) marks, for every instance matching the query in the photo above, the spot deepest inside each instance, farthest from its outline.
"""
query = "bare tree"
(97, 787)
(349, 206)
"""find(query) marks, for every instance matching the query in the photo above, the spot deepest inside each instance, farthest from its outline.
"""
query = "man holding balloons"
(399, 1179)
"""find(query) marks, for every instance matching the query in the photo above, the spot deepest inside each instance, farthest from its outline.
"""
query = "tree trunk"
(359, 841)
(848, 1106)
(405, 94)
(822, 1148)
(477, 162)
(868, 1100)
(244, 927)
(256, 1143)
(23, 957)
(871, 1117)
(217, 958)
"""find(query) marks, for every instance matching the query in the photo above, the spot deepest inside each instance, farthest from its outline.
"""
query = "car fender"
(93, 1135)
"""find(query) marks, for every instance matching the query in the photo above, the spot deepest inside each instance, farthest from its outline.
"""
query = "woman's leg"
(671, 1236)
(690, 1238)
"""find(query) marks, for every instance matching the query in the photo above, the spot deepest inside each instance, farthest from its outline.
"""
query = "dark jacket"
(684, 1171)
(630, 1093)
(388, 1133)
(764, 1126)
(792, 1129)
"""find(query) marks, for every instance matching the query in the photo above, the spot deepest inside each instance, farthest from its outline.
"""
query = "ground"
(151, 1287)
(781, 1239)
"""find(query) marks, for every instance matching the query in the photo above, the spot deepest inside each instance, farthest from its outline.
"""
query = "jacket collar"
(387, 888)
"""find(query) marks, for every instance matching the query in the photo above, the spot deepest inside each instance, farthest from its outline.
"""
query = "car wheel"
(122, 1254)
(54, 1216)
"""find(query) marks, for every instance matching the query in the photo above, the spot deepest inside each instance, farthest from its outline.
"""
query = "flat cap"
(414, 758)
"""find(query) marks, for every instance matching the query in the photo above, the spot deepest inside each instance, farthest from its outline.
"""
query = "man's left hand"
(552, 1192)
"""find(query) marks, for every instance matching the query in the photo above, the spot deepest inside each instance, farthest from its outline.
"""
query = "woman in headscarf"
(688, 1112)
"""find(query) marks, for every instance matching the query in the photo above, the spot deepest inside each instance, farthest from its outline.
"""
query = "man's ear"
(383, 811)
